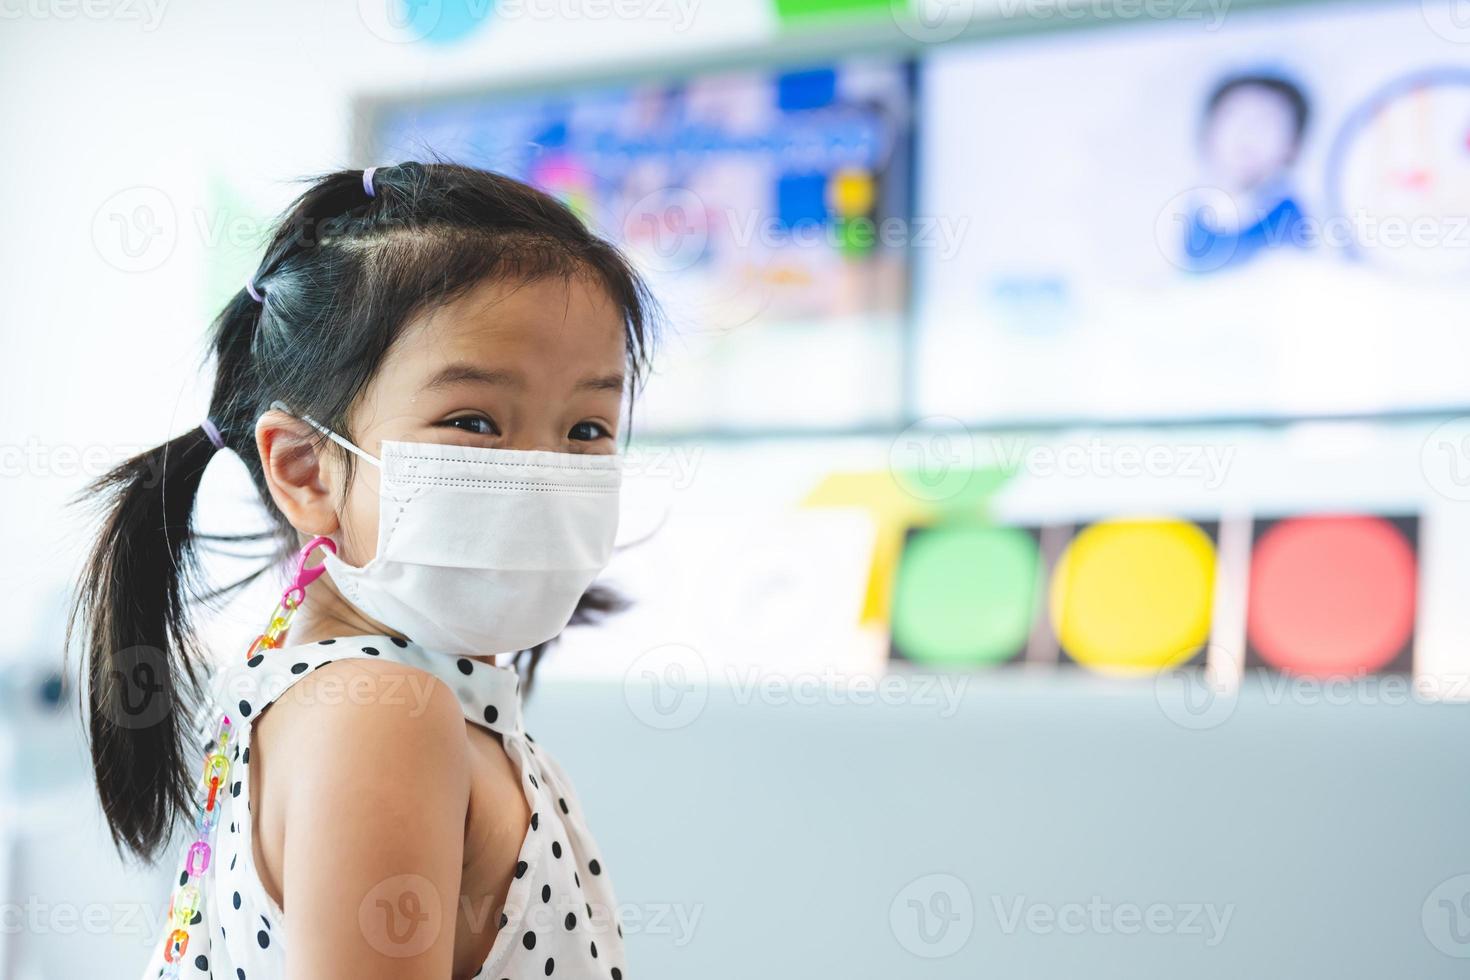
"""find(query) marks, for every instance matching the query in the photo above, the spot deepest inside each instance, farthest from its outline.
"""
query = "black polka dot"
(198, 918)
(617, 974)
(245, 708)
(535, 820)
(577, 879)
(529, 940)
(520, 868)
(594, 950)
(298, 668)
(233, 860)
(533, 780)
(246, 756)
(594, 867)
(556, 848)
(571, 920)
(201, 963)
(550, 965)
(235, 789)
(236, 900)
(546, 893)
(254, 661)
(563, 803)
(266, 921)
(503, 919)
(327, 643)
(491, 713)
(466, 666)
(398, 643)
(370, 651)
(264, 938)
(184, 878)
(239, 974)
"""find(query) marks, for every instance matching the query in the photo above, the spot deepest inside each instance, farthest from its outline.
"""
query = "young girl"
(425, 379)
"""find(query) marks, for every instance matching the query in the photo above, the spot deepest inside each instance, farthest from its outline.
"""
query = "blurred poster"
(760, 204)
(1265, 217)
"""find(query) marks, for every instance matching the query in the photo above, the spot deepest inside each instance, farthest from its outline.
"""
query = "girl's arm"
(366, 788)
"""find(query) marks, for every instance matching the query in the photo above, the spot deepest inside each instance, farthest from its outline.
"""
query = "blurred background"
(1045, 525)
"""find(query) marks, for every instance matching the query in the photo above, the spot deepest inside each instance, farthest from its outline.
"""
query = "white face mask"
(481, 551)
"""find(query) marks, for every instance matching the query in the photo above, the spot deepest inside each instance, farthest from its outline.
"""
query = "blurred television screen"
(1267, 219)
(761, 204)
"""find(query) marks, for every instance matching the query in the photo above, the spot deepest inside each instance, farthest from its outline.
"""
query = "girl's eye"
(477, 424)
(588, 432)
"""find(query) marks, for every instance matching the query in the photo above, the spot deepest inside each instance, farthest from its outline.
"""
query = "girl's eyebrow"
(461, 373)
(602, 382)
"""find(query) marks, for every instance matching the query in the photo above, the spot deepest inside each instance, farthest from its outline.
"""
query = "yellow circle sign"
(1134, 596)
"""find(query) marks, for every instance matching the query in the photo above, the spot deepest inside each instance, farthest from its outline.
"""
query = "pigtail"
(131, 614)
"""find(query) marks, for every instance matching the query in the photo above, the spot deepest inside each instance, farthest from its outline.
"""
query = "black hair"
(1288, 90)
(343, 274)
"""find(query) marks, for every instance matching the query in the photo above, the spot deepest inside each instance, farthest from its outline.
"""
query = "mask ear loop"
(281, 407)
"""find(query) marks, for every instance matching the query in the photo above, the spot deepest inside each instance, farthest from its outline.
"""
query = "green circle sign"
(965, 594)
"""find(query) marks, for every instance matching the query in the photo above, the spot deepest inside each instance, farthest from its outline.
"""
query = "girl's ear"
(301, 479)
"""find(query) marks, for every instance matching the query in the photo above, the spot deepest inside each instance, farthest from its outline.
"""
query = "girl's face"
(537, 365)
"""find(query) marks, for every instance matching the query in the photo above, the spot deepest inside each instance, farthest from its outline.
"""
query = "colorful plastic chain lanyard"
(188, 900)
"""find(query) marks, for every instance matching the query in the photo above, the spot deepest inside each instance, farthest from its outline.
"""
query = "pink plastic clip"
(296, 591)
(197, 861)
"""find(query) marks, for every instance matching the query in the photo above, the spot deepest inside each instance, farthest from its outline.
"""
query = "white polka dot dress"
(560, 917)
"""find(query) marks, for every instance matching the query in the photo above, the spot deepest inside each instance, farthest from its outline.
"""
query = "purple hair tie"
(212, 430)
(254, 293)
(367, 181)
